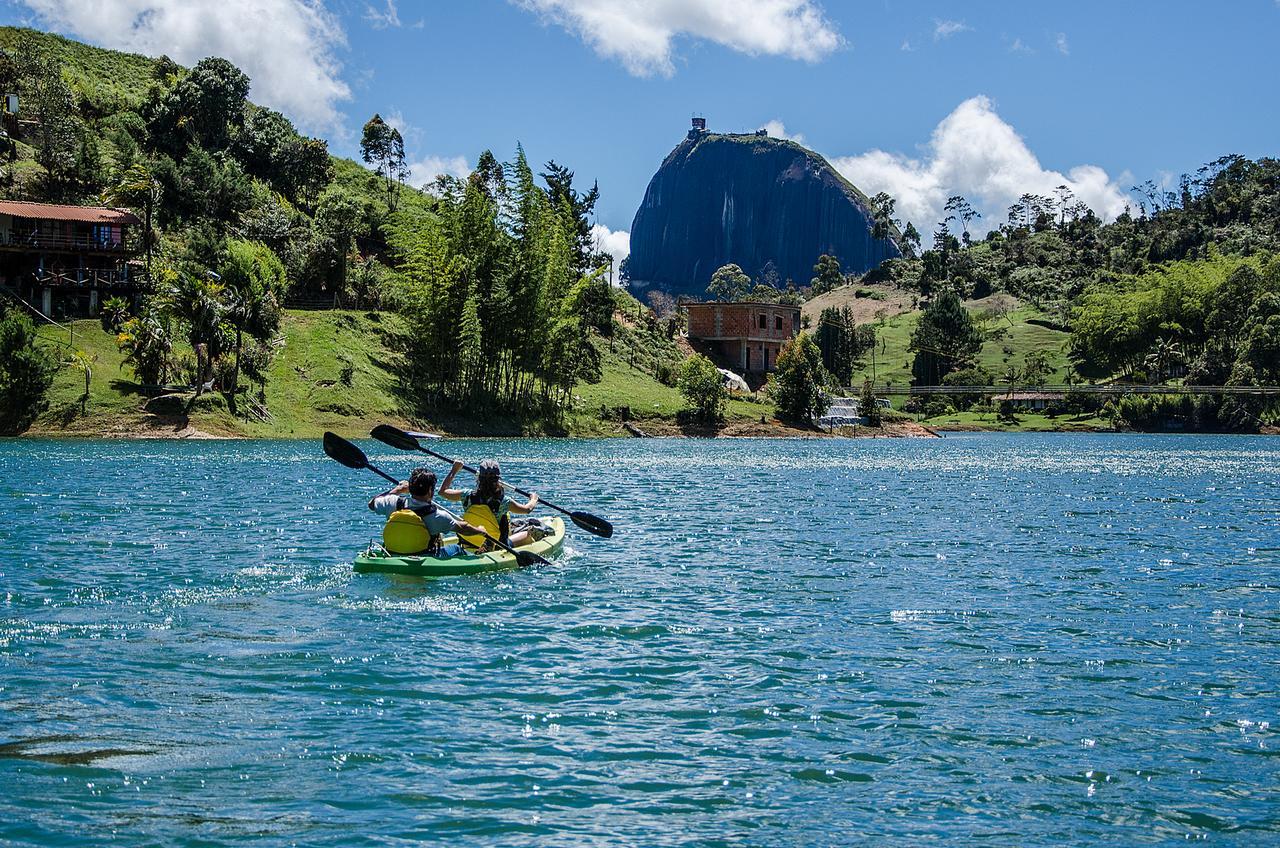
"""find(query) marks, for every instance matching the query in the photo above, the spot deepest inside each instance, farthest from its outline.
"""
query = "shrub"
(115, 311)
(26, 372)
(146, 346)
(867, 405)
(703, 387)
(797, 384)
(975, 376)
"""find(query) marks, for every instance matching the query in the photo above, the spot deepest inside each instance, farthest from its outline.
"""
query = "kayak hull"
(376, 561)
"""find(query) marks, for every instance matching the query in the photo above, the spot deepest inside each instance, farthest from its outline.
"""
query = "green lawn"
(305, 393)
(629, 380)
(1018, 337)
(1023, 422)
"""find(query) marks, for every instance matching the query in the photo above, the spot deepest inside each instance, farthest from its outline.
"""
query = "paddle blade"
(528, 558)
(395, 437)
(592, 524)
(343, 451)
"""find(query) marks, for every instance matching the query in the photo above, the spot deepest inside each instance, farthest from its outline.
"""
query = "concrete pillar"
(46, 300)
(93, 302)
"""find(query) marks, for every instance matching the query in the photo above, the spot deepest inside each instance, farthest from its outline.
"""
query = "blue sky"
(924, 99)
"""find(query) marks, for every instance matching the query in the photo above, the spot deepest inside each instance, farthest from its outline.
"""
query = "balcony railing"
(89, 278)
(75, 243)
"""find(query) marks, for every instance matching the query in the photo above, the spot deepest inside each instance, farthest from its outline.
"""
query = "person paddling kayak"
(489, 506)
(414, 523)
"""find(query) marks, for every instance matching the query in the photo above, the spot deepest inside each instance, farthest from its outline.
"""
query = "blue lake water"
(994, 639)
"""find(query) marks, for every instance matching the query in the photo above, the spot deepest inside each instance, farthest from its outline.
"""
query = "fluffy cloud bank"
(426, 169)
(974, 152)
(287, 47)
(640, 33)
(615, 242)
(777, 129)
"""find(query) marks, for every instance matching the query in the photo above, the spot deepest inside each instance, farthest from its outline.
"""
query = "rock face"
(748, 199)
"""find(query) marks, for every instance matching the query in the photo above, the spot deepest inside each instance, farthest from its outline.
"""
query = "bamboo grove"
(502, 291)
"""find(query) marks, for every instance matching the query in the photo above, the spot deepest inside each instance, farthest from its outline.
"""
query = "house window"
(760, 321)
(777, 322)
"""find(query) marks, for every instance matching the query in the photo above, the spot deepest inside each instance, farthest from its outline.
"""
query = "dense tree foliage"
(382, 146)
(703, 387)
(26, 371)
(869, 406)
(946, 338)
(189, 153)
(797, 384)
(729, 283)
(502, 301)
(842, 341)
(826, 275)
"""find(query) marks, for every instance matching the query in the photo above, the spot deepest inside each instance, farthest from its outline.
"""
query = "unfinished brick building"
(747, 335)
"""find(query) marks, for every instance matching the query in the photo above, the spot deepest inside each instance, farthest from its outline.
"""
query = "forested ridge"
(506, 301)
(1182, 288)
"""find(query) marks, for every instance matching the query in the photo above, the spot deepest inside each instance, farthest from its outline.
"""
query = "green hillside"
(306, 393)
(106, 81)
(1012, 336)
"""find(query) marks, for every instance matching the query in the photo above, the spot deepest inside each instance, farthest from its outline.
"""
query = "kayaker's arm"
(385, 503)
(461, 526)
(526, 507)
(446, 488)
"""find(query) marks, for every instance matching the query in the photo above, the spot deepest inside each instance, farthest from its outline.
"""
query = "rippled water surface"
(1009, 640)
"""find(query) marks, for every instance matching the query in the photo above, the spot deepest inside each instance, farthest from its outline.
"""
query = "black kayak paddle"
(398, 438)
(351, 456)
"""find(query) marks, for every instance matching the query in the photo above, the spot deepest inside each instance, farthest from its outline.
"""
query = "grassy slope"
(629, 379)
(893, 359)
(306, 397)
(98, 75)
(304, 392)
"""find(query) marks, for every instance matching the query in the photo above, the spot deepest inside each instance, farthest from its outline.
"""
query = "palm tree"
(1011, 376)
(83, 362)
(201, 303)
(139, 190)
(1164, 353)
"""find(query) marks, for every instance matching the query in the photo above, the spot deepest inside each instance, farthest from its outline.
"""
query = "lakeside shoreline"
(203, 427)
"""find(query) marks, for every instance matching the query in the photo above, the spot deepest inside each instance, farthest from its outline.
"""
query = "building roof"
(60, 212)
(752, 303)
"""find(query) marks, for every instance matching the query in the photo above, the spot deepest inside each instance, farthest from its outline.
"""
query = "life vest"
(482, 516)
(404, 533)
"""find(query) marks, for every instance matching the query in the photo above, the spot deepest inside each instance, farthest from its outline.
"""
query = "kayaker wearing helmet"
(414, 523)
(489, 506)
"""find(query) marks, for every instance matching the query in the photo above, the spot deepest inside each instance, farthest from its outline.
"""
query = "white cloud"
(946, 29)
(427, 168)
(287, 47)
(777, 129)
(1019, 47)
(640, 34)
(907, 48)
(616, 243)
(411, 134)
(382, 18)
(1065, 48)
(424, 169)
(975, 153)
